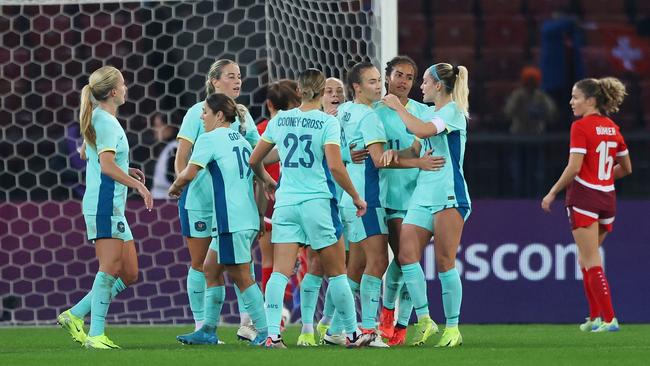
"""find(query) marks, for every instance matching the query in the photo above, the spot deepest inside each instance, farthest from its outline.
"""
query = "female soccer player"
(440, 197)
(195, 203)
(305, 210)
(368, 234)
(598, 155)
(400, 73)
(224, 154)
(107, 177)
(281, 95)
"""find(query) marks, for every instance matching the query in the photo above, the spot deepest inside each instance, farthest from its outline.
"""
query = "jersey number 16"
(605, 161)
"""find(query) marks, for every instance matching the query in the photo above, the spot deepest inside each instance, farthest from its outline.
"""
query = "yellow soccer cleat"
(423, 330)
(450, 337)
(322, 330)
(73, 325)
(306, 340)
(100, 342)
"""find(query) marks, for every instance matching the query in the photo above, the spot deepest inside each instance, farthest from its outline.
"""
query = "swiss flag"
(628, 52)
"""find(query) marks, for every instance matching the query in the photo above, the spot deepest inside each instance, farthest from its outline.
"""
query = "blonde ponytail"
(241, 113)
(85, 116)
(460, 95)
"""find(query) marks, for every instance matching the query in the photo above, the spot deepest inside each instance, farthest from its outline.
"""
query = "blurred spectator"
(530, 111)
(163, 174)
(561, 60)
(528, 107)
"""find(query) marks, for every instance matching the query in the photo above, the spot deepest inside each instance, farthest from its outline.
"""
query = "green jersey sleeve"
(251, 134)
(372, 129)
(192, 126)
(107, 135)
(202, 152)
(332, 132)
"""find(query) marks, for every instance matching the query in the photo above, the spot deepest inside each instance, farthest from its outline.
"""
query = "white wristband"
(440, 124)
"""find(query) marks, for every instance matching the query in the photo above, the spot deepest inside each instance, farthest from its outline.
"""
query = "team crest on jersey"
(200, 226)
(120, 227)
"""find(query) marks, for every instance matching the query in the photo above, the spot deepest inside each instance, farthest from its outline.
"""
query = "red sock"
(600, 290)
(266, 274)
(594, 311)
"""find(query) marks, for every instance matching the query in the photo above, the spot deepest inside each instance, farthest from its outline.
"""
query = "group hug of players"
(356, 177)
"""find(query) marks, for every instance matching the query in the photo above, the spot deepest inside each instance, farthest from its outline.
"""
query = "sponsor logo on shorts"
(200, 226)
(120, 227)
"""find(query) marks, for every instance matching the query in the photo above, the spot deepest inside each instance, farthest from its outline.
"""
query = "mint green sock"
(243, 315)
(254, 303)
(417, 287)
(309, 290)
(274, 296)
(370, 292)
(452, 295)
(392, 284)
(100, 302)
(338, 326)
(328, 307)
(344, 303)
(82, 308)
(214, 298)
(196, 293)
(405, 307)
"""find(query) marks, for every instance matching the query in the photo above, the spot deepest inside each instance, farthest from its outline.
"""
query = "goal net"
(164, 50)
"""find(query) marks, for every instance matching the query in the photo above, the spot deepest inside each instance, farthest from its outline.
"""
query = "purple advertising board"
(517, 264)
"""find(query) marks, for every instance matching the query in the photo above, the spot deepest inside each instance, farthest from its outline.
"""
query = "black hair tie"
(455, 70)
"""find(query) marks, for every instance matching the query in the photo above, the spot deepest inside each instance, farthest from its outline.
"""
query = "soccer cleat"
(387, 322)
(205, 335)
(608, 327)
(270, 343)
(376, 340)
(450, 338)
(423, 330)
(399, 337)
(590, 325)
(306, 340)
(322, 330)
(335, 339)
(73, 325)
(100, 342)
(359, 340)
(260, 339)
(246, 333)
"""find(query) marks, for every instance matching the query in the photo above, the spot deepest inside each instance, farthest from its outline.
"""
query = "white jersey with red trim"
(600, 140)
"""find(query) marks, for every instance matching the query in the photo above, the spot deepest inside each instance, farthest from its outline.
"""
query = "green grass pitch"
(483, 345)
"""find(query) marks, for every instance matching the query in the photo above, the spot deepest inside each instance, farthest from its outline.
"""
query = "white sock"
(244, 319)
(198, 324)
(307, 328)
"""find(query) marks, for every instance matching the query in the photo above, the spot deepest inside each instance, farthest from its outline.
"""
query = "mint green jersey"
(105, 196)
(224, 154)
(447, 186)
(199, 191)
(301, 138)
(399, 183)
(363, 127)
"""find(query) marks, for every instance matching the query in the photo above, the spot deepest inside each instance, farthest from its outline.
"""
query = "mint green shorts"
(395, 214)
(422, 216)
(314, 222)
(107, 227)
(199, 224)
(234, 248)
(360, 228)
